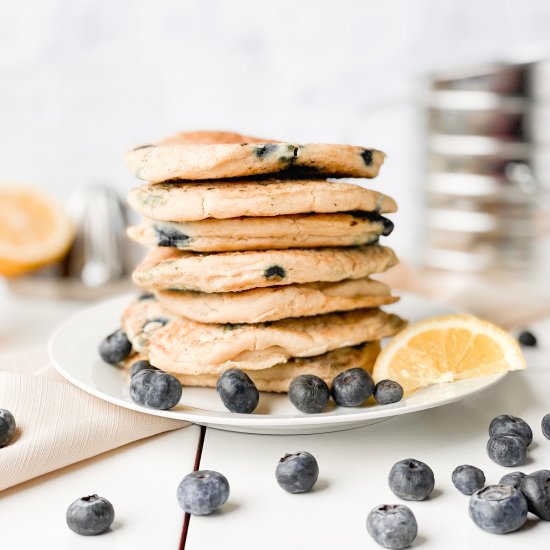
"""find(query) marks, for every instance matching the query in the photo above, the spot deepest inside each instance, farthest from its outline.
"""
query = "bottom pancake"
(276, 379)
(181, 345)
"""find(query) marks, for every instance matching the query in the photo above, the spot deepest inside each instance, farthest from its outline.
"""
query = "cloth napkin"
(57, 423)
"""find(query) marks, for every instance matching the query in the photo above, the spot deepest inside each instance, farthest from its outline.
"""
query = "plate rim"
(357, 416)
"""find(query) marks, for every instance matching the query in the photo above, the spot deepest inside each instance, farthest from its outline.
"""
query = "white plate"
(73, 351)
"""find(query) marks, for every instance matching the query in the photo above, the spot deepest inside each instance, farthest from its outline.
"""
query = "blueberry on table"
(237, 391)
(527, 339)
(411, 479)
(507, 450)
(536, 489)
(201, 493)
(309, 393)
(297, 472)
(7, 427)
(138, 366)
(545, 425)
(392, 526)
(115, 347)
(352, 387)
(507, 424)
(155, 389)
(468, 479)
(387, 392)
(513, 479)
(91, 515)
(498, 509)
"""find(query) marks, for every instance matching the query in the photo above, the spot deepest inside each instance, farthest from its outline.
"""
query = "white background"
(83, 80)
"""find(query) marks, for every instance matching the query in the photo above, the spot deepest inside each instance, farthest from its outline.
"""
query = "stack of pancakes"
(258, 261)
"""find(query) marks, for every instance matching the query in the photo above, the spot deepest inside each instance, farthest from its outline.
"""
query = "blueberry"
(309, 393)
(387, 392)
(527, 338)
(468, 479)
(115, 347)
(91, 515)
(201, 493)
(513, 479)
(237, 391)
(171, 237)
(498, 509)
(392, 526)
(506, 424)
(138, 366)
(507, 450)
(411, 479)
(297, 472)
(352, 387)
(155, 389)
(366, 155)
(536, 489)
(545, 425)
(7, 427)
(265, 150)
(146, 296)
(274, 272)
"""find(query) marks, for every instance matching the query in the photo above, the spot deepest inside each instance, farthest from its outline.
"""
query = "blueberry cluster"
(309, 393)
(149, 386)
(509, 437)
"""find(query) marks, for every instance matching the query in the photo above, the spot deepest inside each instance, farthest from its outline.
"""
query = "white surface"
(139, 479)
(73, 351)
(260, 515)
(353, 478)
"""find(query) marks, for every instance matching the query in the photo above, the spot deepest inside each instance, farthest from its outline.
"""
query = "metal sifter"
(487, 172)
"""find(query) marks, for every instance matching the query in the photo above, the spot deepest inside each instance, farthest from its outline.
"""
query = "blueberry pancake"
(215, 155)
(221, 199)
(180, 345)
(169, 268)
(277, 378)
(274, 303)
(275, 232)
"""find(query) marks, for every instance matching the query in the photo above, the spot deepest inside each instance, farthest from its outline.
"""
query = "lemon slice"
(445, 349)
(34, 230)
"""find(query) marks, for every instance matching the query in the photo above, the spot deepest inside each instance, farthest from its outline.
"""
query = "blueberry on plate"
(392, 526)
(352, 387)
(498, 509)
(536, 489)
(507, 450)
(309, 393)
(91, 515)
(387, 392)
(527, 338)
(7, 427)
(297, 472)
(545, 425)
(507, 424)
(411, 479)
(115, 347)
(201, 493)
(468, 479)
(513, 479)
(237, 391)
(138, 366)
(155, 389)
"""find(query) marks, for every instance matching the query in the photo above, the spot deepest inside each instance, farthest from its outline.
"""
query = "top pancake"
(216, 155)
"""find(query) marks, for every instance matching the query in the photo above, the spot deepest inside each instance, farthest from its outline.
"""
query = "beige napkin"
(59, 424)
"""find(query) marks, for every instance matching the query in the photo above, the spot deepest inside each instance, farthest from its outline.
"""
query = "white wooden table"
(141, 479)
